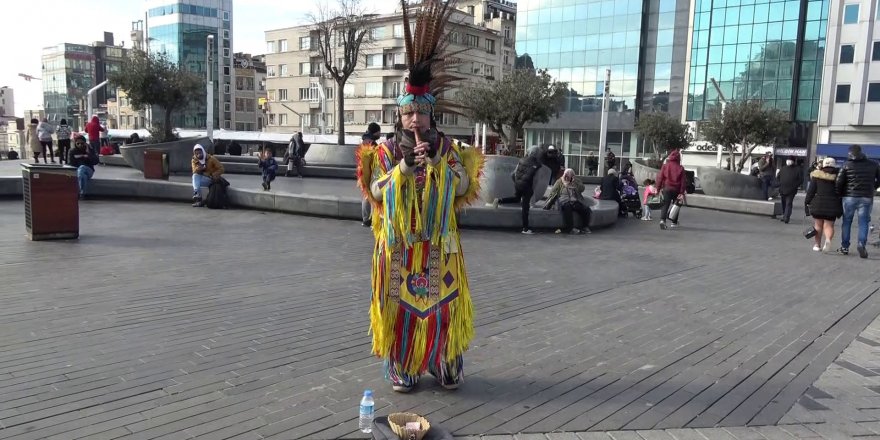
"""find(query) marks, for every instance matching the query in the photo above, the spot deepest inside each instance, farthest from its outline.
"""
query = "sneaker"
(575, 231)
(450, 386)
(673, 225)
(863, 253)
(265, 187)
(558, 231)
(843, 251)
(663, 225)
(826, 247)
(586, 230)
(816, 248)
(527, 232)
(198, 204)
(401, 388)
(366, 224)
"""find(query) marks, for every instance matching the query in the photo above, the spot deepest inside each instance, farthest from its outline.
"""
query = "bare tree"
(343, 30)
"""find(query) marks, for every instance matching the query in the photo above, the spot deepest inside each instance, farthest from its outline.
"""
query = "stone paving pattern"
(165, 321)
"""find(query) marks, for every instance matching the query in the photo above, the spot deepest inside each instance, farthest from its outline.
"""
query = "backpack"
(217, 197)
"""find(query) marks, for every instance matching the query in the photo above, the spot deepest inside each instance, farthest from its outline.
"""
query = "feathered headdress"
(425, 47)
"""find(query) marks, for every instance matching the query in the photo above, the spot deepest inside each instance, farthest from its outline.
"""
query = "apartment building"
(250, 89)
(302, 97)
(120, 114)
(849, 111)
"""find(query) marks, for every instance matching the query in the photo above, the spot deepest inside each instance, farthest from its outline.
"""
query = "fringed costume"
(421, 315)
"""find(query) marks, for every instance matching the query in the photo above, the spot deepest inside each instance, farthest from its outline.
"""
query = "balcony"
(316, 74)
(508, 42)
(394, 67)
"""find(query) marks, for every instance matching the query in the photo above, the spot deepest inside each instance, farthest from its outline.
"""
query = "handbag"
(809, 232)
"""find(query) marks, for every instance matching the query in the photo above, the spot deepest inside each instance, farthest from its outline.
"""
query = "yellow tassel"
(473, 161)
(419, 344)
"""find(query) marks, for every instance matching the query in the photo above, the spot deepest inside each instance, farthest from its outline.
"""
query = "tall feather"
(426, 44)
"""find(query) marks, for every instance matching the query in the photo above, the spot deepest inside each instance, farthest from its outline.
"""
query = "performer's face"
(416, 122)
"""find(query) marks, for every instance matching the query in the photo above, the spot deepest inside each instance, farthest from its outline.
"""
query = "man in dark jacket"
(790, 178)
(609, 189)
(524, 184)
(766, 172)
(857, 181)
(80, 158)
(369, 138)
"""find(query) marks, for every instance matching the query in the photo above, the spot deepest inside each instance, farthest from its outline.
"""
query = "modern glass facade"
(68, 73)
(180, 30)
(577, 40)
(770, 50)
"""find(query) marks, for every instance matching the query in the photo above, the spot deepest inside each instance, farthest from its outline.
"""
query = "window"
(373, 89)
(377, 33)
(374, 61)
(490, 71)
(472, 40)
(477, 68)
(842, 95)
(227, 106)
(226, 88)
(225, 15)
(282, 119)
(506, 57)
(348, 90)
(226, 33)
(507, 32)
(874, 92)
(851, 14)
(270, 47)
(305, 43)
(875, 51)
(282, 94)
(328, 93)
(490, 46)
(226, 70)
(394, 89)
(847, 51)
(271, 119)
(305, 68)
(471, 10)
(270, 95)
(349, 117)
(394, 59)
(270, 71)
(282, 70)
(226, 52)
(374, 116)
(303, 93)
(283, 44)
(398, 31)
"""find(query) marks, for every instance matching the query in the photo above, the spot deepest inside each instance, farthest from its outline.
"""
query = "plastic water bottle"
(365, 422)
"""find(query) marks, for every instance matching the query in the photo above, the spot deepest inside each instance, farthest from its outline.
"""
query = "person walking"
(823, 203)
(94, 129)
(295, 153)
(370, 140)
(766, 172)
(33, 141)
(63, 134)
(672, 183)
(45, 132)
(857, 182)
(790, 178)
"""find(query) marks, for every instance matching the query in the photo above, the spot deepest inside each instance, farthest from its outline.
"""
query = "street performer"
(421, 315)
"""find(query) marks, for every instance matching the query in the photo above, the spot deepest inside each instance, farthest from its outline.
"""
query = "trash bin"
(51, 201)
(155, 164)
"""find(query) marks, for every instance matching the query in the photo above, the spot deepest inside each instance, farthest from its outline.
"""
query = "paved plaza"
(164, 321)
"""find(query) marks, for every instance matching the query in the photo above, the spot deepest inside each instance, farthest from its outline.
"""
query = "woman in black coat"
(823, 203)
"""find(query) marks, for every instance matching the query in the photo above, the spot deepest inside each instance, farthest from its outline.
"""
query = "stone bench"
(344, 207)
(741, 206)
(309, 170)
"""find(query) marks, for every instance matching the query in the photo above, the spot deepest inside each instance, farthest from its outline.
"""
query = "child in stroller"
(629, 195)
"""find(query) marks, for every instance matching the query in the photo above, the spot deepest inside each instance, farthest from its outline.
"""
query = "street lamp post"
(723, 107)
(210, 80)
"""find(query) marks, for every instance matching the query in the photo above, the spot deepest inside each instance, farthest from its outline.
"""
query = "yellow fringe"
(473, 161)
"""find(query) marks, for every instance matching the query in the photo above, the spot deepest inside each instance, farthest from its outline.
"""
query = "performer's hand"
(421, 151)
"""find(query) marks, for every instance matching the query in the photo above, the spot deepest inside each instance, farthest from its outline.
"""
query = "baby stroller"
(629, 196)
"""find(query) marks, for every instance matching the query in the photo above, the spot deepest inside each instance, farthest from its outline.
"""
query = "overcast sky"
(28, 26)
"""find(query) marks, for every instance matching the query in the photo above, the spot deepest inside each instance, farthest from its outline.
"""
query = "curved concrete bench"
(332, 155)
(604, 212)
(179, 153)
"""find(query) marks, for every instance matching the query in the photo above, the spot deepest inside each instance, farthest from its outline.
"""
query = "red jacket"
(94, 129)
(672, 175)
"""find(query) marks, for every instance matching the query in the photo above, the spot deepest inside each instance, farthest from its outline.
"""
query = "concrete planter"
(179, 153)
(723, 183)
(642, 171)
(496, 181)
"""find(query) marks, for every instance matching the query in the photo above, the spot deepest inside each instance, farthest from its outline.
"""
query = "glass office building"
(180, 29)
(643, 42)
(68, 73)
(770, 50)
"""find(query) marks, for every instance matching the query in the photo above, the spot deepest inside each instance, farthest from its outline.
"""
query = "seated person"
(12, 154)
(610, 189)
(81, 158)
(568, 193)
(206, 170)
